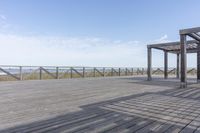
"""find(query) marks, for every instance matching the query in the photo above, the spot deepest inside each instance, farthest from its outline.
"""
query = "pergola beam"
(170, 44)
(177, 51)
(190, 30)
(174, 47)
(194, 36)
(163, 44)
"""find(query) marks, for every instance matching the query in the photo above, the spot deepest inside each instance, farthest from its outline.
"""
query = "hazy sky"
(91, 32)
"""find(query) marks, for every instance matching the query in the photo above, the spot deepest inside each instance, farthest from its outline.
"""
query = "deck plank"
(112, 105)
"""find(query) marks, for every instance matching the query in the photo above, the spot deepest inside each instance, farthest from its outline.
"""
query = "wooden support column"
(149, 70)
(177, 65)
(198, 63)
(183, 61)
(165, 64)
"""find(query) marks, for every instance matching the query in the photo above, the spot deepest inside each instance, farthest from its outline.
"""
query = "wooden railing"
(172, 71)
(8, 73)
(60, 72)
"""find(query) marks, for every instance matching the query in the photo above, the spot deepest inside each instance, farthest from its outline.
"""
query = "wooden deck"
(99, 105)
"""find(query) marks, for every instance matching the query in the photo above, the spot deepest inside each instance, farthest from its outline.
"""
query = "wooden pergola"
(180, 49)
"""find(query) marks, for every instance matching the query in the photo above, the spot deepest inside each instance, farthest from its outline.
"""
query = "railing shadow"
(160, 81)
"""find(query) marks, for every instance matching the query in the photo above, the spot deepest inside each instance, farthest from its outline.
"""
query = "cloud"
(74, 51)
(162, 39)
(77, 51)
(4, 25)
(47, 50)
(3, 17)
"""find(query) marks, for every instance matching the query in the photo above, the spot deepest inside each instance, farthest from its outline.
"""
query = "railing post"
(20, 71)
(137, 71)
(57, 72)
(104, 71)
(142, 71)
(111, 71)
(132, 71)
(94, 72)
(83, 72)
(126, 71)
(119, 71)
(174, 71)
(71, 73)
(40, 73)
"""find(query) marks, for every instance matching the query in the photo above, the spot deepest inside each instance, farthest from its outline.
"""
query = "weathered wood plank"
(98, 105)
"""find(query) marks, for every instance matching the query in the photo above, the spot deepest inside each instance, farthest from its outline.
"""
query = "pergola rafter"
(179, 48)
(174, 47)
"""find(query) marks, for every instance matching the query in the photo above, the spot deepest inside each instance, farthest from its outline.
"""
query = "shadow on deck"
(174, 110)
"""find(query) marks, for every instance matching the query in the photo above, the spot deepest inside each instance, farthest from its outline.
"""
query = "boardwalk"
(99, 105)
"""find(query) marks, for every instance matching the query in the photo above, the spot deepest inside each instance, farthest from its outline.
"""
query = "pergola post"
(198, 63)
(177, 65)
(183, 60)
(165, 64)
(149, 57)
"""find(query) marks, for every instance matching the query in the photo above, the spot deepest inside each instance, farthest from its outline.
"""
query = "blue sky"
(91, 32)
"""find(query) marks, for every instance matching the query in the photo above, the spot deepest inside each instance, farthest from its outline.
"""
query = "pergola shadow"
(159, 81)
(169, 110)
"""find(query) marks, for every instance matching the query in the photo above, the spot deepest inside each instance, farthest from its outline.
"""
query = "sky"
(92, 32)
